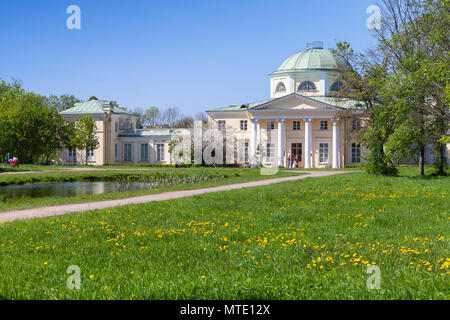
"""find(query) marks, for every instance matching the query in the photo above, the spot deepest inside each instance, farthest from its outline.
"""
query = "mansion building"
(301, 120)
(302, 112)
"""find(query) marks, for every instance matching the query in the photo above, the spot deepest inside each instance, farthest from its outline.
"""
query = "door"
(296, 152)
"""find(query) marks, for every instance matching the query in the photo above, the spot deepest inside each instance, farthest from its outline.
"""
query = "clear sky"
(191, 54)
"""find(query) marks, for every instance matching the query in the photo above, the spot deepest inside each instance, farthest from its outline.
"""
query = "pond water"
(68, 189)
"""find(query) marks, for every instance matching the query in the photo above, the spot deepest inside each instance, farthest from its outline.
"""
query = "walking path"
(42, 212)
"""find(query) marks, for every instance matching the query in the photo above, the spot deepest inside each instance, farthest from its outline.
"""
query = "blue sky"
(192, 54)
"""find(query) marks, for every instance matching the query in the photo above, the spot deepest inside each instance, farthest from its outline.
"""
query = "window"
(307, 86)
(127, 152)
(90, 155)
(116, 151)
(336, 86)
(244, 125)
(356, 125)
(160, 152)
(116, 125)
(323, 153)
(144, 152)
(222, 124)
(270, 125)
(296, 125)
(71, 155)
(356, 153)
(280, 87)
(243, 151)
(323, 125)
(270, 153)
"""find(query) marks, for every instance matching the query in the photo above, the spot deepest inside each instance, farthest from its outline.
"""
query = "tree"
(63, 102)
(85, 137)
(151, 117)
(29, 128)
(140, 118)
(366, 82)
(93, 98)
(170, 116)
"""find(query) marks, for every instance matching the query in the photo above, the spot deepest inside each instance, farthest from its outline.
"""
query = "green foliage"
(30, 128)
(84, 137)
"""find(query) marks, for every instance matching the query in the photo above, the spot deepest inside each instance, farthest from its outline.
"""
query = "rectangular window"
(116, 151)
(270, 153)
(127, 152)
(160, 152)
(296, 125)
(323, 125)
(90, 155)
(323, 153)
(356, 125)
(243, 151)
(116, 125)
(144, 152)
(270, 125)
(222, 124)
(356, 153)
(244, 125)
(71, 155)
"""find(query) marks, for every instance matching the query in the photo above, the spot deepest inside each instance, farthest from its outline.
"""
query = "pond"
(69, 189)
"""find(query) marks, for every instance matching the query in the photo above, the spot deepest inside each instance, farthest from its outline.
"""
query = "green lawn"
(308, 239)
(173, 178)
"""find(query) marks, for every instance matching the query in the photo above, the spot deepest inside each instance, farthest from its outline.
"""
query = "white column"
(308, 143)
(281, 139)
(335, 144)
(135, 146)
(255, 125)
(151, 152)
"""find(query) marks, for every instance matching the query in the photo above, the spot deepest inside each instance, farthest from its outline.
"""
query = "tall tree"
(85, 137)
(29, 128)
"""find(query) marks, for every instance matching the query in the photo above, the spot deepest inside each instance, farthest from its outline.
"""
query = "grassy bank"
(171, 180)
(308, 239)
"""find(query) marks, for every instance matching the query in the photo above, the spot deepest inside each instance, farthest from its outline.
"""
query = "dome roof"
(313, 59)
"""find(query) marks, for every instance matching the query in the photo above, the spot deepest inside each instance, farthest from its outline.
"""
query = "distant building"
(120, 141)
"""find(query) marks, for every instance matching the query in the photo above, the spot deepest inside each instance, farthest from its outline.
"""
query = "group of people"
(293, 161)
(11, 161)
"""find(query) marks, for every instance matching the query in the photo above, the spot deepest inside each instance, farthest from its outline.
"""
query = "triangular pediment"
(294, 101)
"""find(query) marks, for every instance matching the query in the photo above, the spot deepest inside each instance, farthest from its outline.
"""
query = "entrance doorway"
(296, 153)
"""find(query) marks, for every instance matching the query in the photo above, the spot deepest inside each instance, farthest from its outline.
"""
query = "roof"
(241, 107)
(95, 107)
(155, 133)
(337, 102)
(332, 101)
(313, 59)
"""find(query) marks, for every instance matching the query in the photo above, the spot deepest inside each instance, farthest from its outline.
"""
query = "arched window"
(336, 86)
(307, 86)
(280, 87)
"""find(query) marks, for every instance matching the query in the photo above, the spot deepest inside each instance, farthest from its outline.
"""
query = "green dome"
(313, 59)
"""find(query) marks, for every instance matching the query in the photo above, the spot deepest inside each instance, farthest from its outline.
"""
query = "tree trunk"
(422, 161)
(442, 159)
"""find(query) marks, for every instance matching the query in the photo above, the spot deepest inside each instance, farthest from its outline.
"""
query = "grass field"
(171, 180)
(308, 239)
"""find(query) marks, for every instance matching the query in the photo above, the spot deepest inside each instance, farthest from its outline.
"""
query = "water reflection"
(68, 189)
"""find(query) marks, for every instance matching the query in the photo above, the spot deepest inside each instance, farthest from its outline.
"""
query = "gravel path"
(42, 212)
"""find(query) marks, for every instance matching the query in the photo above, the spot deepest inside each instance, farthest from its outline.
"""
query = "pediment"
(294, 102)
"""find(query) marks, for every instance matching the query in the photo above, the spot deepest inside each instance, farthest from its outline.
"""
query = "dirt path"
(42, 212)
